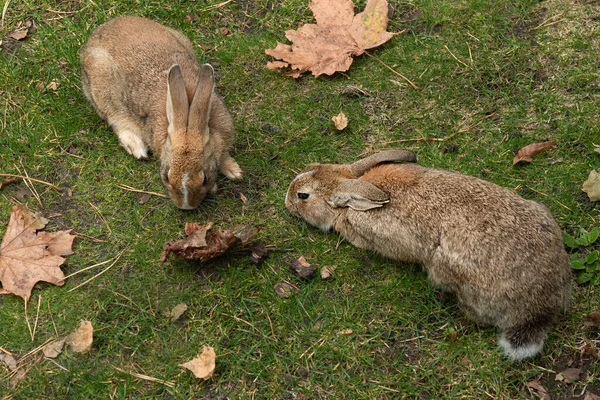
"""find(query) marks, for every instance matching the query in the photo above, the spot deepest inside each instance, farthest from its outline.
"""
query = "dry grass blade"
(146, 377)
(129, 188)
(101, 217)
(101, 272)
(90, 267)
(4, 13)
(33, 180)
(393, 70)
(215, 6)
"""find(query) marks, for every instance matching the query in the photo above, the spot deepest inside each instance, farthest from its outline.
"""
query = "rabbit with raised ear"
(145, 81)
(503, 256)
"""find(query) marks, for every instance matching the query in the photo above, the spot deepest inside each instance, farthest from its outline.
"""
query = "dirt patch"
(568, 390)
(524, 28)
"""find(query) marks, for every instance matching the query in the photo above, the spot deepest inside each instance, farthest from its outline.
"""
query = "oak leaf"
(202, 366)
(527, 153)
(328, 45)
(340, 121)
(203, 243)
(592, 185)
(28, 256)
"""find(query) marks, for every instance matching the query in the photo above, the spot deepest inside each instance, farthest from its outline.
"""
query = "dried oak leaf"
(569, 375)
(592, 319)
(303, 268)
(328, 45)
(527, 153)
(539, 388)
(203, 243)
(340, 121)
(81, 340)
(28, 256)
(592, 185)
(202, 366)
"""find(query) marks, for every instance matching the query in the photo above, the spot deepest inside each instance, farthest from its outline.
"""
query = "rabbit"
(501, 255)
(145, 81)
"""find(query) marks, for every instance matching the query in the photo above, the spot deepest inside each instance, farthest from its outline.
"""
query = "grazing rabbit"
(145, 81)
(502, 255)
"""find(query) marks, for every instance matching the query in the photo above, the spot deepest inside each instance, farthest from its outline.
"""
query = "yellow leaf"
(340, 121)
(592, 185)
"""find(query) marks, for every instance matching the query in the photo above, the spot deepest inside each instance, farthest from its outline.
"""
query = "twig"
(101, 217)
(215, 6)
(6, 351)
(4, 13)
(146, 377)
(100, 273)
(456, 58)
(394, 71)
(125, 187)
(30, 186)
(37, 316)
(27, 321)
(90, 267)
(57, 364)
(546, 22)
(32, 179)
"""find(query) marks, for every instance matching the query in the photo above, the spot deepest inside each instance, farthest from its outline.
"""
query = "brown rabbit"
(145, 81)
(502, 255)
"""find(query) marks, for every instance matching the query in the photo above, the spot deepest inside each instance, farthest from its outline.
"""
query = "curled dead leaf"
(260, 252)
(8, 360)
(202, 366)
(53, 349)
(303, 268)
(592, 185)
(203, 243)
(81, 340)
(177, 311)
(340, 121)
(527, 153)
(539, 388)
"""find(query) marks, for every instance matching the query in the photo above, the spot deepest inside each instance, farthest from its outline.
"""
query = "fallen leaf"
(81, 340)
(23, 194)
(285, 290)
(328, 45)
(345, 332)
(144, 198)
(340, 121)
(591, 350)
(569, 375)
(202, 366)
(592, 319)
(28, 256)
(541, 390)
(592, 185)
(327, 271)
(303, 268)
(528, 152)
(177, 311)
(53, 349)
(17, 376)
(202, 243)
(8, 181)
(19, 34)
(260, 252)
(243, 198)
(52, 86)
(591, 396)
(8, 360)
(597, 150)
(224, 30)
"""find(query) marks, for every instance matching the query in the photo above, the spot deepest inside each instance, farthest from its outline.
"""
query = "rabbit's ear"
(360, 167)
(359, 195)
(177, 101)
(202, 101)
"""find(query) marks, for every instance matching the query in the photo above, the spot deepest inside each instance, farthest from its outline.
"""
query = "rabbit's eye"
(303, 196)
(205, 181)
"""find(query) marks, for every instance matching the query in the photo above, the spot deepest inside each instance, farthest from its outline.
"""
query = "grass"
(515, 72)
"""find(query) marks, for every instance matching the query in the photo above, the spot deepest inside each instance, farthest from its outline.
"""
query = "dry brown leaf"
(27, 257)
(202, 366)
(53, 349)
(591, 350)
(19, 34)
(203, 243)
(81, 340)
(285, 290)
(260, 252)
(303, 268)
(591, 396)
(144, 198)
(52, 86)
(592, 185)
(177, 311)
(328, 45)
(340, 121)
(541, 390)
(527, 153)
(327, 271)
(569, 375)
(592, 319)
(8, 360)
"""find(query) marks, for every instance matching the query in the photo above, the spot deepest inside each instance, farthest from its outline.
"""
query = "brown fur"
(502, 255)
(126, 65)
